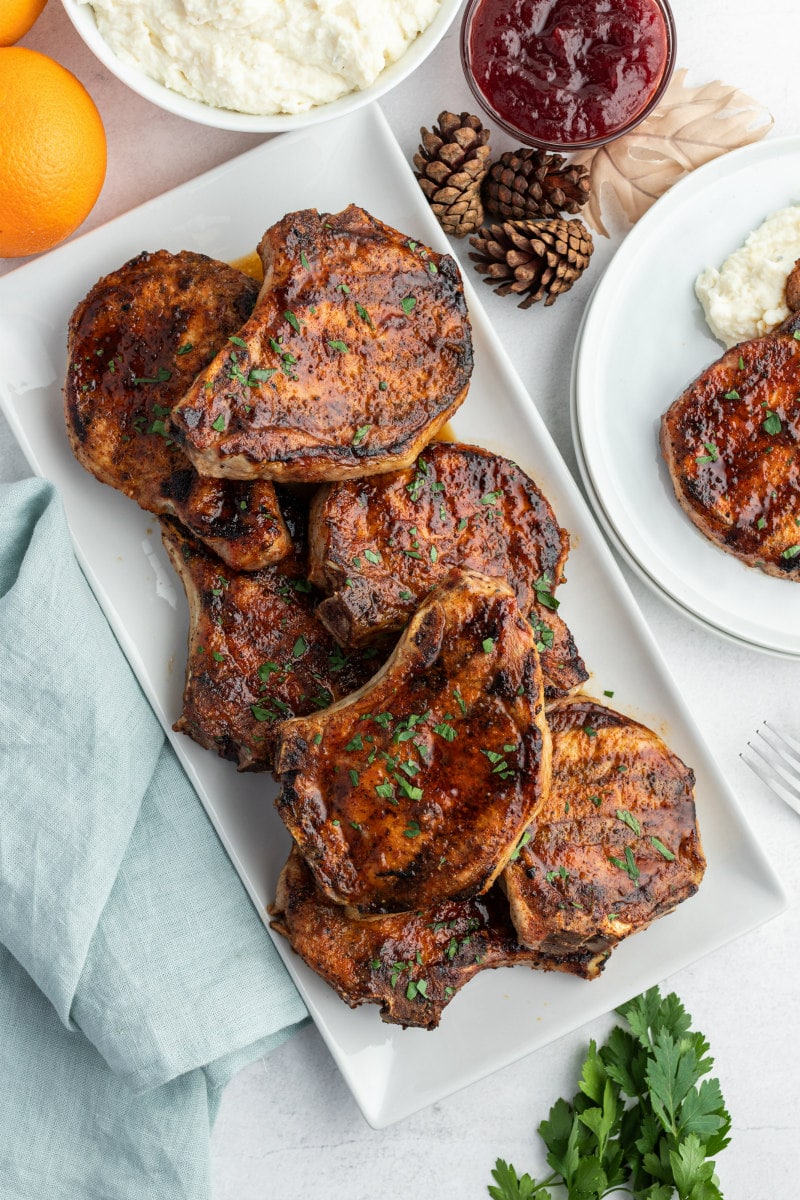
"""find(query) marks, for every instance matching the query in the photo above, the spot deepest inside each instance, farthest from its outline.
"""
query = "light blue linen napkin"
(135, 976)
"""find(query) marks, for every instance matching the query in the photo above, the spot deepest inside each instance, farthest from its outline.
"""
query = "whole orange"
(52, 152)
(16, 18)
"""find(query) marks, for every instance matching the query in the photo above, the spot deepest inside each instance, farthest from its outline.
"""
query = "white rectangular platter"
(501, 1015)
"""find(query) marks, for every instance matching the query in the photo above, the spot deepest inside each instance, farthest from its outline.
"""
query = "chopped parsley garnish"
(293, 321)
(491, 497)
(408, 304)
(371, 556)
(544, 592)
(163, 376)
(589, 731)
(237, 341)
(628, 866)
(219, 424)
(340, 346)
(360, 435)
(772, 424)
(488, 645)
(711, 456)
(460, 701)
(446, 731)
(362, 312)
(356, 743)
(353, 773)
(629, 819)
(385, 790)
(303, 260)
(761, 522)
(732, 395)
(791, 552)
(662, 849)
(412, 830)
(183, 349)
(408, 789)
(523, 841)
(300, 647)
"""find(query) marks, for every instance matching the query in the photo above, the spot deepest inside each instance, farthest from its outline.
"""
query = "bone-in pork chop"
(732, 446)
(615, 843)
(135, 344)
(358, 350)
(379, 545)
(419, 786)
(410, 964)
(257, 654)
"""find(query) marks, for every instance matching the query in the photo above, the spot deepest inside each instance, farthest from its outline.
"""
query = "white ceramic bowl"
(82, 17)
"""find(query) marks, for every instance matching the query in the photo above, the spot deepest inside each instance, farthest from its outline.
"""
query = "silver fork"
(777, 763)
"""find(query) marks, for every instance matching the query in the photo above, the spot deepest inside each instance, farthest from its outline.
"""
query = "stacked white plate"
(643, 339)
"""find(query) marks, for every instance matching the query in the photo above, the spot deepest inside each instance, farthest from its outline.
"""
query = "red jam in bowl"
(567, 72)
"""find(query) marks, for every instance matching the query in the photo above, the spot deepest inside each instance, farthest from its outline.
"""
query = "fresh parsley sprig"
(644, 1119)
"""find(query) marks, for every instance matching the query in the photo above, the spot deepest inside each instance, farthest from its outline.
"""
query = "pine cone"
(451, 164)
(528, 184)
(533, 258)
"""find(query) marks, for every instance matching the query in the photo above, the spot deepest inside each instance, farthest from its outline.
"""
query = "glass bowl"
(527, 138)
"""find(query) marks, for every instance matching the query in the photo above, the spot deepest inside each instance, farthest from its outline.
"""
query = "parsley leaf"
(641, 1119)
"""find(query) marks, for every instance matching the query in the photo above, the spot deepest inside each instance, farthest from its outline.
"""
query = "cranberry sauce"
(568, 71)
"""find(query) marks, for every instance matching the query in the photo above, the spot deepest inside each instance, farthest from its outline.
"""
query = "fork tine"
(774, 780)
(785, 773)
(786, 749)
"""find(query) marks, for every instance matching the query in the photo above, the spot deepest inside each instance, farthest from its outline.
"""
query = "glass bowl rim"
(589, 143)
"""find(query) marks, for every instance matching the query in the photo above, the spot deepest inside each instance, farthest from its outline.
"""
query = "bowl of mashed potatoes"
(261, 65)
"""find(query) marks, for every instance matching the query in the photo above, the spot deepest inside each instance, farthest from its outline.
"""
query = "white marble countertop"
(288, 1127)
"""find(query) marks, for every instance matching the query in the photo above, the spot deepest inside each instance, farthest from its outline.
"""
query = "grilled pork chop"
(257, 653)
(358, 350)
(615, 843)
(411, 964)
(419, 786)
(135, 344)
(732, 446)
(379, 545)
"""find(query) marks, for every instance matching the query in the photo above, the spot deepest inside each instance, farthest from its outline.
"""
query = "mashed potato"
(746, 297)
(262, 56)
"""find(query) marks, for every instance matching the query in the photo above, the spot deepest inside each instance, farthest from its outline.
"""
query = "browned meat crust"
(418, 787)
(257, 654)
(379, 546)
(731, 445)
(358, 350)
(615, 843)
(135, 344)
(411, 965)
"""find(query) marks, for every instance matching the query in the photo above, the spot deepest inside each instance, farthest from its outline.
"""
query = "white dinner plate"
(644, 339)
(617, 541)
(501, 1015)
